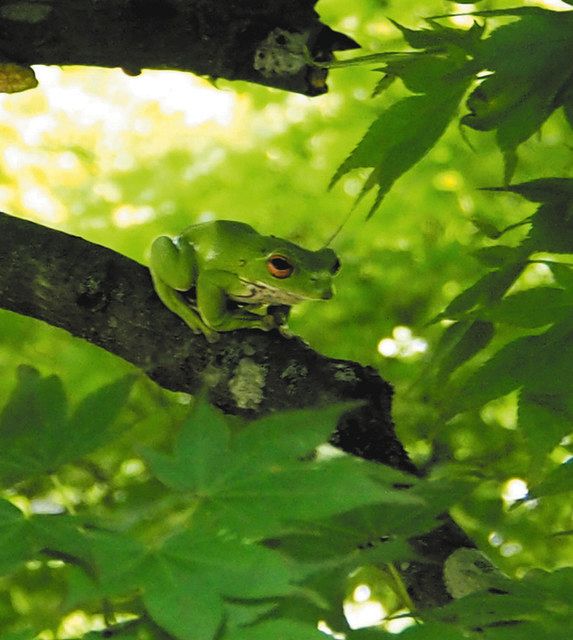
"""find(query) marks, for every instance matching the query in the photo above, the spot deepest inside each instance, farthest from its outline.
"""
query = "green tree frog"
(223, 275)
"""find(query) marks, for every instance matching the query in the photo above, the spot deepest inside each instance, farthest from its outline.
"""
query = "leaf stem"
(372, 58)
(62, 493)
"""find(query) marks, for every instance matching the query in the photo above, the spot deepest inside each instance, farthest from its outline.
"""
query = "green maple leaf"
(37, 434)
(259, 480)
(530, 65)
(187, 580)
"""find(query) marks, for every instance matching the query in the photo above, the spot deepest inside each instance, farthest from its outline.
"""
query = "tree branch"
(108, 299)
(261, 42)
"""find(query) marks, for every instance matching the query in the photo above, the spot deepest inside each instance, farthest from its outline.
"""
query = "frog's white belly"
(260, 293)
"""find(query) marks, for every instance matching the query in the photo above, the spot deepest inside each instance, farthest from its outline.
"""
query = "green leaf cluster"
(536, 363)
(38, 436)
(249, 533)
(104, 527)
(521, 72)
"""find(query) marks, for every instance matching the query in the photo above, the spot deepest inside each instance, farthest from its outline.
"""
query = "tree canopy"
(438, 166)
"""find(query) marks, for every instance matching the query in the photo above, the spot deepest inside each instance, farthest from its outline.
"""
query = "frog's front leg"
(173, 267)
(214, 290)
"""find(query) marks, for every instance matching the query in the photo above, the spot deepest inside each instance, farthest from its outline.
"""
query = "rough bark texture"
(108, 299)
(261, 42)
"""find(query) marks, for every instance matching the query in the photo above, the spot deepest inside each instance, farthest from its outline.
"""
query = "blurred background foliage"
(119, 160)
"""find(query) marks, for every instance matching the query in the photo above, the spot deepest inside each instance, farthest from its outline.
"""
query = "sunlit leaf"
(59, 534)
(376, 533)
(121, 562)
(237, 569)
(263, 501)
(35, 402)
(289, 435)
(200, 450)
(186, 579)
(262, 481)
(183, 603)
(90, 424)
(32, 425)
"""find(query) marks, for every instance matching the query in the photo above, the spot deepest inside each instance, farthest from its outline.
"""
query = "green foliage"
(237, 542)
(140, 518)
(36, 434)
(257, 483)
(531, 75)
(407, 130)
(516, 610)
(523, 72)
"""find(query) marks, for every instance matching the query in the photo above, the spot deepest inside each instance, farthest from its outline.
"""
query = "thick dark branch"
(108, 299)
(261, 42)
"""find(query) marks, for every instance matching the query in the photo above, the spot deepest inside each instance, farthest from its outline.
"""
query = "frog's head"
(285, 273)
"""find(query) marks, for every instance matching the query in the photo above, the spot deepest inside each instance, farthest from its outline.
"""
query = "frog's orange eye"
(279, 267)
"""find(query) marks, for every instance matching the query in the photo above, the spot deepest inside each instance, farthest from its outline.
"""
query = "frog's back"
(217, 229)
(221, 240)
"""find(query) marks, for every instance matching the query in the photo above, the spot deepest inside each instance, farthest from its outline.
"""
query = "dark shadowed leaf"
(560, 480)
(486, 291)
(542, 190)
(409, 128)
(527, 58)
(461, 342)
(15, 539)
(544, 420)
(426, 631)
(552, 228)
(563, 274)
(533, 307)
(35, 433)
(438, 36)
(540, 363)
(497, 256)
(517, 609)
(283, 629)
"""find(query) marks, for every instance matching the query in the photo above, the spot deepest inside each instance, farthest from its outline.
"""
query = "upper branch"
(263, 42)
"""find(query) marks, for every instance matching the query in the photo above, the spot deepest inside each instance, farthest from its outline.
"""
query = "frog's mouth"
(262, 293)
